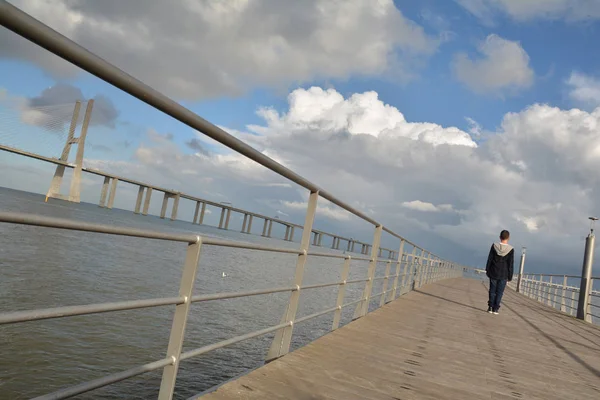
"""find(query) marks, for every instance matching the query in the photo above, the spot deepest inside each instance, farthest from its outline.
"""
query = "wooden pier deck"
(439, 343)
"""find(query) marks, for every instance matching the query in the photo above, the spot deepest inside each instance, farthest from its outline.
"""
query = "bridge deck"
(439, 343)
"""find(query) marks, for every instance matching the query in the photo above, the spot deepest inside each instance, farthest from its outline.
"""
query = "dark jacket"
(500, 262)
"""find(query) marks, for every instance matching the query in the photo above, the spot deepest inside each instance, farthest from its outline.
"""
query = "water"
(41, 267)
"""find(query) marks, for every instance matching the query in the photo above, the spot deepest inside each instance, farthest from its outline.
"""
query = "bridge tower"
(75, 189)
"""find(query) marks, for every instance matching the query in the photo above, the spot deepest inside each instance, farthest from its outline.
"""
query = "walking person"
(499, 269)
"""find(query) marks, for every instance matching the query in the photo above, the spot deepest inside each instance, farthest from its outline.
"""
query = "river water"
(41, 267)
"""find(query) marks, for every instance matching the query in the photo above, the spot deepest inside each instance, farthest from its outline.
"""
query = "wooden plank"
(439, 343)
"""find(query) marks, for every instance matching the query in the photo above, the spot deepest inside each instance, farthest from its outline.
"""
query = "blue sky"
(433, 63)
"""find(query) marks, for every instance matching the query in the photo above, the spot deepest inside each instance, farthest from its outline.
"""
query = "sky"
(446, 120)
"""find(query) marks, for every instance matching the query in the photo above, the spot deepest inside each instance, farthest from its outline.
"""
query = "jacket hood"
(502, 249)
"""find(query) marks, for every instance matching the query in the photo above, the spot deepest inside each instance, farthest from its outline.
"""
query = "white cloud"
(584, 89)
(206, 48)
(419, 205)
(525, 10)
(322, 210)
(328, 111)
(503, 66)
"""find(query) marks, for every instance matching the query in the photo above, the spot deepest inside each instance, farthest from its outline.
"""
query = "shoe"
(496, 312)
(490, 310)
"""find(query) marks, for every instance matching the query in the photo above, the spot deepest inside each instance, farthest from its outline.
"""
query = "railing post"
(586, 276)
(563, 304)
(188, 279)
(283, 337)
(363, 307)
(588, 315)
(573, 310)
(398, 269)
(540, 288)
(413, 274)
(549, 297)
(521, 268)
(337, 316)
(385, 283)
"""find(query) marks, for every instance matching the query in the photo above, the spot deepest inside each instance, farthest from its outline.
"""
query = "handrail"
(416, 270)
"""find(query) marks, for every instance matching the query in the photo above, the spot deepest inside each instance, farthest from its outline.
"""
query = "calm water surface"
(41, 267)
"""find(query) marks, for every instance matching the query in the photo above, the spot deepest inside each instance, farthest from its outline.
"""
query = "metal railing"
(412, 268)
(561, 292)
(412, 271)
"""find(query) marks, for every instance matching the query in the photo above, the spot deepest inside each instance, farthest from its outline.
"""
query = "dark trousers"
(496, 291)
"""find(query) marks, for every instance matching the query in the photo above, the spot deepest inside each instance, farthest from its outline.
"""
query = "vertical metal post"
(54, 189)
(104, 192)
(388, 266)
(337, 316)
(188, 279)
(405, 274)
(586, 276)
(227, 218)
(75, 190)
(147, 201)
(521, 268)
(398, 269)
(138, 202)
(549, 294)
(563, 306)
(283, 337)
(540, 288)
(197, 212)
(203, 213)
(113, 193)
(573, 309)
(413, 274)
(245, 223)
(363, 307)
(163, 210)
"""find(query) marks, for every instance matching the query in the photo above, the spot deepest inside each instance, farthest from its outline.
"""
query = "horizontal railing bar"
(378, 278)
(352, 303)
(315, 315)
(378, 294)
(70, 311)
(330, 255)
(321, 285)
(63, 223)
(356, 281)
(228, 342)
(105, 381)
(593, 305)
(593, 315)
(233, 295)
(244, 245)
(554, 275)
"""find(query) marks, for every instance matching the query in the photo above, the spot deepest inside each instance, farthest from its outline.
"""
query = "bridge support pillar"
(113, 193)
(147, 201)
(196, 212)
(270, 228)
(104, 192)
(175, 208)
(138, 201)
(222, 219)
(249, 230)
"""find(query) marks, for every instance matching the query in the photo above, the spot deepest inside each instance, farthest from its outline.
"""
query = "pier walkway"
(438, 342)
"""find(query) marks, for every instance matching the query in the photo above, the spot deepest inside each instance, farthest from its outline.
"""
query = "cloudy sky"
(445, 120)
